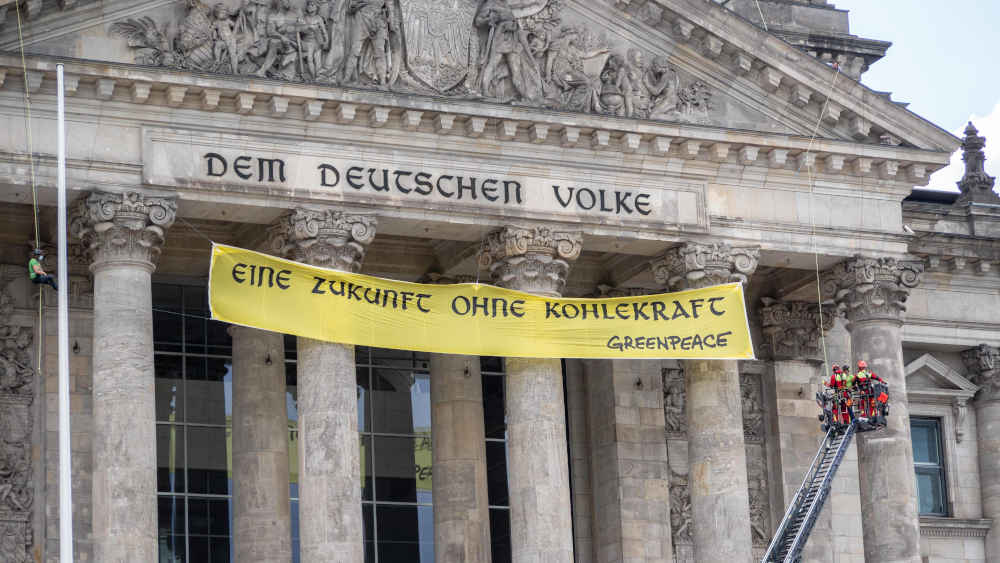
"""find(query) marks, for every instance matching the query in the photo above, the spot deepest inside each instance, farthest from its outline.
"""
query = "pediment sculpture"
(524, 52)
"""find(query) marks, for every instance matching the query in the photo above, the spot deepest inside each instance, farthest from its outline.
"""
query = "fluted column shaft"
(536, 260)
(261, 513)
(329, 457)
(123, 234)
(720, 503)
(461, 504)
(984, 365)
(874, 292)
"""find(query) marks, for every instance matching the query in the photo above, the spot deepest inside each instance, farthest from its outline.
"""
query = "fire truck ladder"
(794, 530)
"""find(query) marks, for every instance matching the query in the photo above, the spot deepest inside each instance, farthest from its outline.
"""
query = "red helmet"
(836, 369)
(862, 364)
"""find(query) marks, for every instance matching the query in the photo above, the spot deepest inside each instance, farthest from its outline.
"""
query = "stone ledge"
(935, 527)
(184, 90)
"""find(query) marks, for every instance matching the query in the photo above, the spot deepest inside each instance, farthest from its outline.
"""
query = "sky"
(942, 62)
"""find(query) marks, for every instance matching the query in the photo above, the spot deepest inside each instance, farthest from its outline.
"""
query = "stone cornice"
(777, 64)
(954, 527)
(116, 83)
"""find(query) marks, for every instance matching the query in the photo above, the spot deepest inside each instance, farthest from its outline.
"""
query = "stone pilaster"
(628, 453)
(792, 340)
(123, 234)
(461, 504)
(983, 363)
(17, 394)
(535, 259)
(261, 515)
(329, 456)
(717, 477)
(873, 292)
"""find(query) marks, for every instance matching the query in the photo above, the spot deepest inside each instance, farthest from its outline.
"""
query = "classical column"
(983, 363)
(262, 530)
(461, 505)
(123, 234)
(720, 505)
(792, 341)
(536, 260)
(329, 457)
(874, 292)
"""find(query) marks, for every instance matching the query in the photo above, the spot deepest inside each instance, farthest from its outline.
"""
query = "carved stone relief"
(16, 398)
(872, 288)
(751, 390)
(524, 52)
(680, 509)
(674, 395)
(983, 363)
(792, 329)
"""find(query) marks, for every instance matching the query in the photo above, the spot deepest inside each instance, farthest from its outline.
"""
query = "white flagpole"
(65, 462)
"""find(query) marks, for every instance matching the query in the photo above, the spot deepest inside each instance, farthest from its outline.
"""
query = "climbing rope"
(31, 168)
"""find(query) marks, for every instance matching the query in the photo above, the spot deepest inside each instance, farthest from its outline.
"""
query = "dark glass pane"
(493, 406)
(167, 331)
(291, 347)
(198, 548)
(219, 549)
(219, 516)
(496, 473)
(924, 434)
(364, 399)
(209, 393)
(405, 533)
(394, 463)
(170, 523)
(362, 355)
(367, 480)
(367, 514)
(500, 535)
(208, 461)
(194, 334)
(930, 492)
(491, 364)
(219, 341)
(195, 300)
(169, 388)
(392, 358)
(400, 401)
(172, 549)
(198, 517)
(169, 458)
(167, 297)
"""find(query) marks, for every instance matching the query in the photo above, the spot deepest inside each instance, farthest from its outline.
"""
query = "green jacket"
(31, 267)
(849, 380)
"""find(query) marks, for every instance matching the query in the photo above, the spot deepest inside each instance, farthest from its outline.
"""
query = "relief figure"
(506, 56)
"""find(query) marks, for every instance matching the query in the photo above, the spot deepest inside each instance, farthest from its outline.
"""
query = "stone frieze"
(522, 52)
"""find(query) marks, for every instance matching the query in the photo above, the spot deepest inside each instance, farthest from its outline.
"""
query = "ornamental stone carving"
(873, 288)
(680, 509)
(695, 265)
(122, 227)
(17, 392)
(524, 52)
(757, 488)
(753, 409)
(674, 397)
(976, 185)
(983, 363)
(327, 238)
(792, 329)
(532, 259)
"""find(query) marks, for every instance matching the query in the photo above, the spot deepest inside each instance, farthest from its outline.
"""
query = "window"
(928, 461)
(193, 427)
(193, 370)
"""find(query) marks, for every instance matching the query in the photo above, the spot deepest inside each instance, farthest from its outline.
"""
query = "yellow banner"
(270, 293)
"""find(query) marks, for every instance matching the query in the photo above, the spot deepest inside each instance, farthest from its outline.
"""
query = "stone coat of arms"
(441, 45)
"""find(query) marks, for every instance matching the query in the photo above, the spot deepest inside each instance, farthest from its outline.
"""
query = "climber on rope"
(35, 271)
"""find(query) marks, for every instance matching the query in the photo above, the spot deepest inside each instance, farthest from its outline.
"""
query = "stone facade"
(558, 147)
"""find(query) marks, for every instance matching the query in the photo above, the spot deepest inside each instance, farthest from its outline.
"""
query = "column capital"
(328, 238)
(792, 328)
(534, 258)
(694, 265)
(122, 228)
(873, 288)
(983, 363)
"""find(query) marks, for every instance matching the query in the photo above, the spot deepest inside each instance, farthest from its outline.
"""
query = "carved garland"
(509, 51)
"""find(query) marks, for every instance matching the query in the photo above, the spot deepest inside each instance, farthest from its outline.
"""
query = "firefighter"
(863, 382)
(835, 384)
(847, 402)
